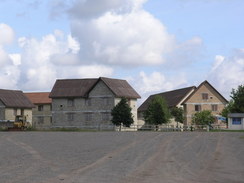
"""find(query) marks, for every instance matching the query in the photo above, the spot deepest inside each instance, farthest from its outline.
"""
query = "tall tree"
(121, 114)
(157, 112)
(204, 117)
(238, 100)
(178, 114)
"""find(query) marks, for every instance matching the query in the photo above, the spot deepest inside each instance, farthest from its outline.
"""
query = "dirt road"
(121, 157)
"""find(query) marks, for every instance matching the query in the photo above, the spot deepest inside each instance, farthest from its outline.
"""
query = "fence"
(166, 128)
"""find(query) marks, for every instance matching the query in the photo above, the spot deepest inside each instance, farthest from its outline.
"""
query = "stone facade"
(42, 116)
(204, 98)
(93, 110)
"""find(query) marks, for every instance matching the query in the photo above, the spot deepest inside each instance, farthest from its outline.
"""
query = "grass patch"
(220, 130)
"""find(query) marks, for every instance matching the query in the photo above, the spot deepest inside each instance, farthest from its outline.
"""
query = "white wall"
(235, 127)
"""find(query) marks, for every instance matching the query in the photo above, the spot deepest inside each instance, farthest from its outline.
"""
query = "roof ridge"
(174, 90)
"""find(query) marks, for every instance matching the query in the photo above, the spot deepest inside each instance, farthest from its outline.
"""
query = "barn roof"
(82, 87)
(15, 99)
(172, 98)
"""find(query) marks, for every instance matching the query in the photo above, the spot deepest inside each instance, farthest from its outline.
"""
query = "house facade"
(191, 99)
(15, 106)
(205, 97)
(41, 114)
(88, 102)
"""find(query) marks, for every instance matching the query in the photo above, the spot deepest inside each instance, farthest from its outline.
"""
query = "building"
(173, 98)
(41, 114)
(15, 106)
(88, 102)
(191, 99)
(236, 121)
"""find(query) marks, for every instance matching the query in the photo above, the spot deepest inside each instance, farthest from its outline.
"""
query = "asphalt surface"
(121, 157)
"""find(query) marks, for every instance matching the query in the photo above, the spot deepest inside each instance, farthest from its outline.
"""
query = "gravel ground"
(121, 157)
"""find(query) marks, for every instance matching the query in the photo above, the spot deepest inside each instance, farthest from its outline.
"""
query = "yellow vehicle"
(19, 123)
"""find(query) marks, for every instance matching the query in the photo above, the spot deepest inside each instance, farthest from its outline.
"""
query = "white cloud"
(121, 32)
(4, 58)
(54, 56)
(94, 8)
(218, 61)
(156, 82)
(185, 53)
(9, 76)
(134, 38)
(39, 78)
(94, 71)
(228, 73)
(6, 34)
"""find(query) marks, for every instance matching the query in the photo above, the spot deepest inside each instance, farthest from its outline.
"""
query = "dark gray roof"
(82, 87)
(72, 88)
(15, 99)
(172, 98)
(236, 115)
(121, 88)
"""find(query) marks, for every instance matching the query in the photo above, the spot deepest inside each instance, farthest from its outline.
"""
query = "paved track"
(126, 157)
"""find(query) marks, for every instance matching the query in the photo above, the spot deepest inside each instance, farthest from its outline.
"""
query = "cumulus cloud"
(228, 72)
(54, 56)
(6, 34)
(136, 39)
(9, 72)
(122, 32)
(157, 82)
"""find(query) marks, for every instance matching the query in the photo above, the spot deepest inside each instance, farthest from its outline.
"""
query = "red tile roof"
(15, 99)
(39, 98)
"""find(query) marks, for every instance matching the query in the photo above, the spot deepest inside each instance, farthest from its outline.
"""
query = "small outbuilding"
(236, 121)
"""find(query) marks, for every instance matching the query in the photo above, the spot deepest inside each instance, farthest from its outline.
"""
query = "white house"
(236, 121)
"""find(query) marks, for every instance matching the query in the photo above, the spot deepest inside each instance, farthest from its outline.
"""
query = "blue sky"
(155, 45)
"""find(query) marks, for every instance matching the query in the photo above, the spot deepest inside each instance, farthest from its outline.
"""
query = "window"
(40, 107)
(70, 102)
(106, 101)
(205, 96)
(214, 107)
(88, 116)
(40, 120)
(70, 116)
(236, 121)
(105, 116)
(198, 108)
(88, 102)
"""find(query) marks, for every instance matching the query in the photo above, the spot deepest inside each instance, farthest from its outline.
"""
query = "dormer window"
(205, 96)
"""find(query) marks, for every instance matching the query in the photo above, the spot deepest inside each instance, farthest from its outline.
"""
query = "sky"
(155, 45)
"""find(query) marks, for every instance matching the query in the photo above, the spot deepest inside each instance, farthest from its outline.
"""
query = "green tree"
(121, 114)
(157, 112)
(238, 100)
(204, 117)
(178, 114)
(227, 109)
